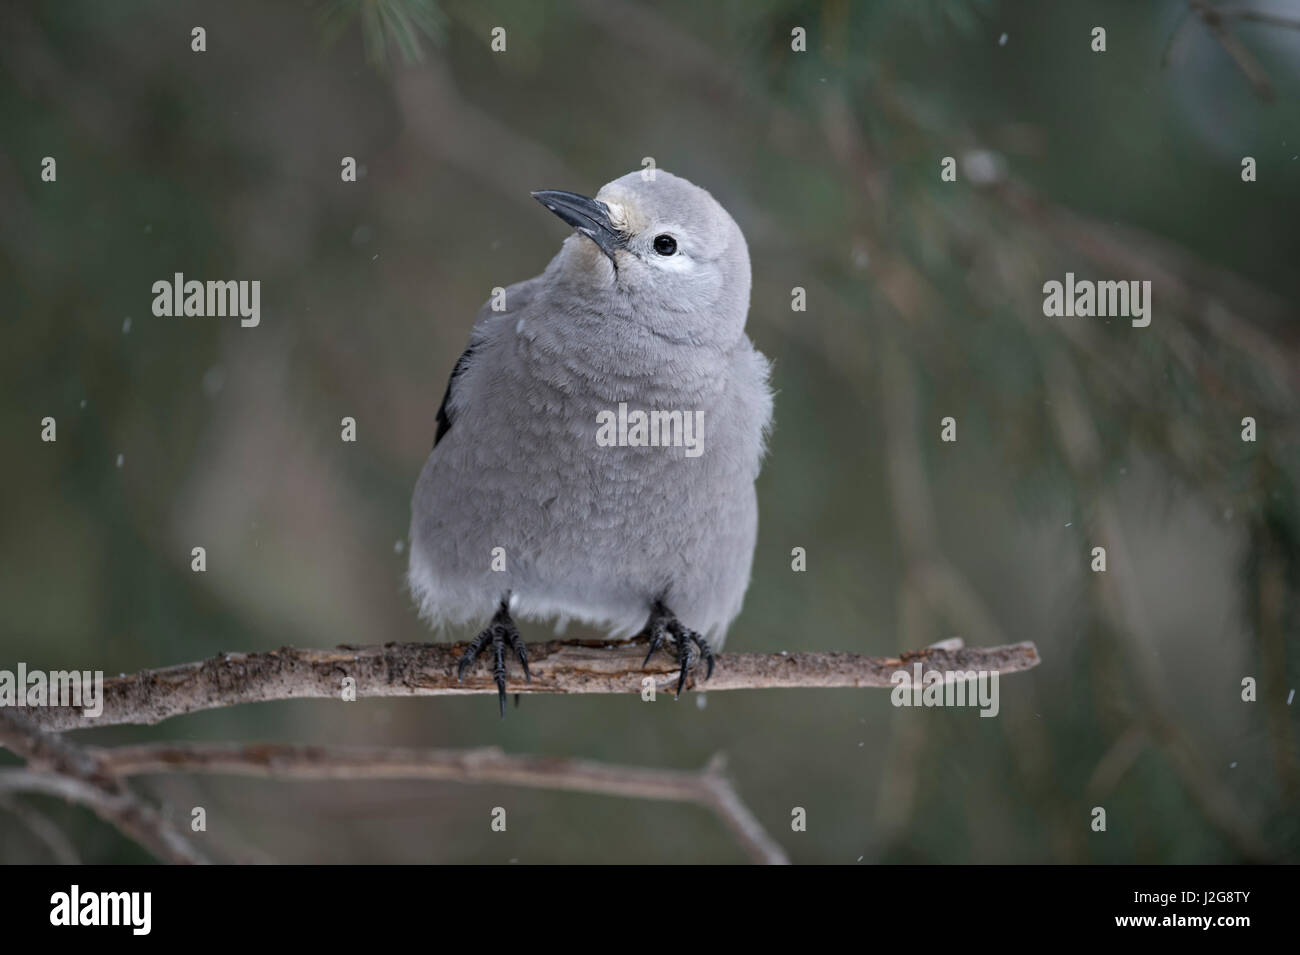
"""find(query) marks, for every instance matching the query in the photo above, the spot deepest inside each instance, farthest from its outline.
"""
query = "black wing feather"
(444, 419)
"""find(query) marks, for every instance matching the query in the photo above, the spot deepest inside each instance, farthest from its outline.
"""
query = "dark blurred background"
(924, 301)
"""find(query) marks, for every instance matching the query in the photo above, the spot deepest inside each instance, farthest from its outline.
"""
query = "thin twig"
(1214, 20)
(43, 829)
(709, 788)
(58, 767)
(1260, 16)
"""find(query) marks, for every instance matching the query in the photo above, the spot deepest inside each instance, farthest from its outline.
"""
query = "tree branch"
(57, 767)
(43, 829)
(1259, 16)
(709, 787)
(94, 777)
(1213, 19)
(425, 669)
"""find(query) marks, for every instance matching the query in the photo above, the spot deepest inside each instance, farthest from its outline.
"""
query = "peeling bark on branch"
(423, 669)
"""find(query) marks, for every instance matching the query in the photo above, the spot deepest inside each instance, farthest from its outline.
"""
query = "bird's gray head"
(659, 252)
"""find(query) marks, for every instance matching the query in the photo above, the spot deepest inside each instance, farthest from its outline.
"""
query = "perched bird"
(599, 439)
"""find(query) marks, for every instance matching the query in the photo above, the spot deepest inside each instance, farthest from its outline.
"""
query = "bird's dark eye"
(665, 244)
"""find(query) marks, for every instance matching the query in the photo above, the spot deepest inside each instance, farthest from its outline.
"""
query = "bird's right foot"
(687, 645)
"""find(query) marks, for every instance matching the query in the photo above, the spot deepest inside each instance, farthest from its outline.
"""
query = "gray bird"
(599, 439)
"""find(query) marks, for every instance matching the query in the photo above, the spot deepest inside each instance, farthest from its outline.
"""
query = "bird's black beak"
(588, 216)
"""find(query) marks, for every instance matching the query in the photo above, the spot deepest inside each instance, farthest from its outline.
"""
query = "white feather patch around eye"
(679, 262)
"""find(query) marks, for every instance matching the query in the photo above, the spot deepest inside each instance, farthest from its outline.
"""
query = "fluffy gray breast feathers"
(598, 441)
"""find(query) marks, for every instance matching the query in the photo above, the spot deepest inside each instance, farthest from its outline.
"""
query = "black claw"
(656, 641)
(499, 668)
(684, 643)
(471, 654)
(685, 651)
(521, 652)
(705, 652)
(502, 634)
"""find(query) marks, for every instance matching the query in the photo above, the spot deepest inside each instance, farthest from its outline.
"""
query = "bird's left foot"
(504, 637)
(687, 645)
